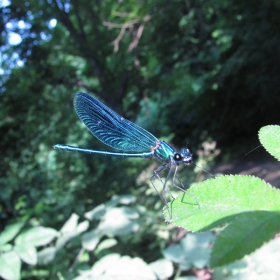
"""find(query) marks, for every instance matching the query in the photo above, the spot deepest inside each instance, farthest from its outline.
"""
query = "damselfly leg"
(172, 168)
(156, 175)
(182, 189)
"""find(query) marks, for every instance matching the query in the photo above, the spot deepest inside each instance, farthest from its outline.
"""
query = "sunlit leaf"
(219, 199)
(96, 213)
(175, 253)
(124, 267)
(83, 226)
(122, 199)
(27, 253)
(10, 265)
(270, 138)
(106, 244)
(10, 232)
(71, 224)
(37, 236)
(6, 247)
(118, 221)
(247, 203)
(197, 248)
(90, 239)
(66, 237)
(162, 268)
(46, 255)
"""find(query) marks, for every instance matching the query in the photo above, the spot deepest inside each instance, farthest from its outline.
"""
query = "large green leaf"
(215, 201)
(246, 202)
(247, 232)
(27, 253)
(10, 232)
(10, 265)
(163, 268)
(96, 213)
(47, 255)
(122, 267)
(260, 265)
(106, 244)
(90, 239)
(6, 247)
(70, 224)
(37, 236)
(270, 138)
(119, 221)
(66, 237)
(193, 250)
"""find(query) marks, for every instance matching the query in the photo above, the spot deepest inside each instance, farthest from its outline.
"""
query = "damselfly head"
(184, 156)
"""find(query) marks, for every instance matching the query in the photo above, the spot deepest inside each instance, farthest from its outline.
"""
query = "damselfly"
(135, 142)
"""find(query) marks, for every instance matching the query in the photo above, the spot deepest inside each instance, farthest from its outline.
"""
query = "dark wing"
(111, 128)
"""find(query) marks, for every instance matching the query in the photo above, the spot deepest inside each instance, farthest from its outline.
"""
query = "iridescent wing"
(111, 128)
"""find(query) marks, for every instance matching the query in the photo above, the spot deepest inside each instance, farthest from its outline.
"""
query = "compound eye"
(177, 157)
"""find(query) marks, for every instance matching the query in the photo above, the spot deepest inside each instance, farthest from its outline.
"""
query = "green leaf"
(46, 255)
(83, 226)
(10, 232)
(37, 236)
(219, 199)
(71, 224)
(175, 253)
(27, 253)
(117, 221)
(106, 244)
(10, 265)
(247, 232)
(260, 265)
(246, 202)
(6, 247)
(90, 239)
(122, 199)
(270, 138)
(162, 268)
(96, 213)
(124, 267)
(193, 250)
(197, 247)
(63, 239)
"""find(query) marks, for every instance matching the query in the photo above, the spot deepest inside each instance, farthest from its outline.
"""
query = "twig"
(76, 259)
(123, 28)
(135, 42)
(117, 40)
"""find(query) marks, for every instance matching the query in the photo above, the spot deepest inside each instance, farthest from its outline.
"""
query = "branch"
(121, 14)
(124, 26)
(117, 40)
(135, 42)
(120, 25)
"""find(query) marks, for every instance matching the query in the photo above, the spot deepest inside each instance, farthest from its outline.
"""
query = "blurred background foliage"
(187, 71)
